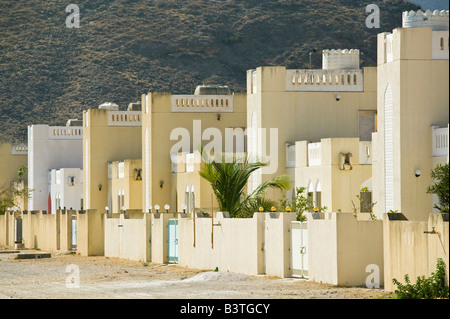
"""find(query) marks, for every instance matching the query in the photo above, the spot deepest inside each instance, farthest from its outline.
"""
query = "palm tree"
(228, 179)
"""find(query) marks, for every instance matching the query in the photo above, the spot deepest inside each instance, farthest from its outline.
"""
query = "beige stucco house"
(173, 124)
(337, 101)
(413, 114)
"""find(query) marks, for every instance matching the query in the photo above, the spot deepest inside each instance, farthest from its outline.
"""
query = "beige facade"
(322, 169)
(12, 157)
(125, 190)
(307, 105)
(413, 97)
(108, 136)
(188, 121)
(413, 248)
(194, 193)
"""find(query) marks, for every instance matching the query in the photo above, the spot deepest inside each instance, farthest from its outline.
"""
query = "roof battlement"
(437, 20)
(340, 59)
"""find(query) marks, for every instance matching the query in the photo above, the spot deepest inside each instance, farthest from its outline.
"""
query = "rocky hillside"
(124, 48)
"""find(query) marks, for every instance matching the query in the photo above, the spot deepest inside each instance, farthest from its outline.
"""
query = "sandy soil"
(109, 278)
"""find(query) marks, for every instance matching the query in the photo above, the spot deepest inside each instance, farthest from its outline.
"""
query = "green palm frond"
(229, 177)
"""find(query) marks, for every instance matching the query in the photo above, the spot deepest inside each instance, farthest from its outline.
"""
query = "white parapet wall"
(437, 20)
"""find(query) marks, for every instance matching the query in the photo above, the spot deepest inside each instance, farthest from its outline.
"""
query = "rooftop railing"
(202, 103)
(124, 118)
(325, 80)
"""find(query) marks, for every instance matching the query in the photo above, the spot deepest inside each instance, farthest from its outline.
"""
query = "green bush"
(434, 287)
(441, 187)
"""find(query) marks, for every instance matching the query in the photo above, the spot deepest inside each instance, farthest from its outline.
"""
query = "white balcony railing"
(65, 132)
(19, 149)
(202, 103)
(124, 118)
(325, 80)
(314, 154)
(440, 141)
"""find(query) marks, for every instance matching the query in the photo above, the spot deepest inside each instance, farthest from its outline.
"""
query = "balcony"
(314, 154)
(440, 141)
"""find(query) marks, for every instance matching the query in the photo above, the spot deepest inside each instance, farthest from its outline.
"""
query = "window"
(366, 200)
(366, 124)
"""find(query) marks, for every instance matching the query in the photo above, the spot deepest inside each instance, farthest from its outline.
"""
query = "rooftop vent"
(134, 106)
(109, 106)
(74, 122)
(212, 90)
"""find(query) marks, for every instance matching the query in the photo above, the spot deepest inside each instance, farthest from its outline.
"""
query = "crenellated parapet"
(340, 59)
(437, 20)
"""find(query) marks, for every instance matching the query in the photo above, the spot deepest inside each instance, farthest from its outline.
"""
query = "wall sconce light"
(124, 208)
(100, 187)
(157, 208)
(167, 207)
(418, 172)
(107, 209)
(149, 208)
(338, 97)
(161, 184)
(183, 207)
(219, 116)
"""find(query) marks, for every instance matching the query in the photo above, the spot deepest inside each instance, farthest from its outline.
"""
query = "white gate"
(74, 233)
(299, 252)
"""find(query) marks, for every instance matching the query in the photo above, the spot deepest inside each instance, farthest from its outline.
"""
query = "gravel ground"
(110, 278)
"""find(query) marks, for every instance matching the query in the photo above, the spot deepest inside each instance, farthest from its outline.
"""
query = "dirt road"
(109, 278)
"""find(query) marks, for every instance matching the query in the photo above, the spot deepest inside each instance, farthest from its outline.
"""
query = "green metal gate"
(173, 240)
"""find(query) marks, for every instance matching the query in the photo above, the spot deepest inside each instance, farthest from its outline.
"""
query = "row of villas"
(335, 131)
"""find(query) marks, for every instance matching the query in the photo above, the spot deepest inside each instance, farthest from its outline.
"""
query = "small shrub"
(434, 287)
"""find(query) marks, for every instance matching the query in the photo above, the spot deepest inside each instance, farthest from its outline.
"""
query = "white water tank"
(109, 106)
